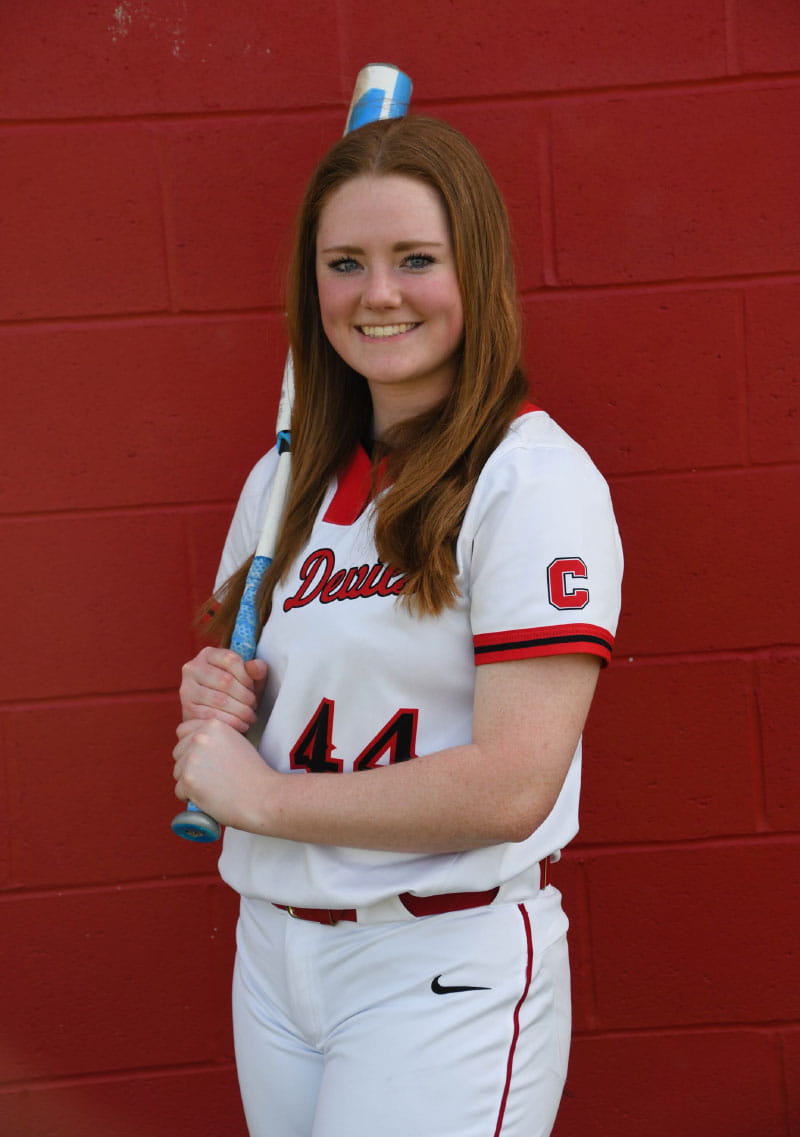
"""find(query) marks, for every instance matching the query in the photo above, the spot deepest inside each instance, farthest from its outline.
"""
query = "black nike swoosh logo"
(440, 989)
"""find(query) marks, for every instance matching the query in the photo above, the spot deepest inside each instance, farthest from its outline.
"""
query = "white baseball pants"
(360, 1030)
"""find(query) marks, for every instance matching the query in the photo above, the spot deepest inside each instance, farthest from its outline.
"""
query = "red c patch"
(561, 576)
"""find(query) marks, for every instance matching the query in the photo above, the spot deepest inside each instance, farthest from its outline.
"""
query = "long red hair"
(433, 460)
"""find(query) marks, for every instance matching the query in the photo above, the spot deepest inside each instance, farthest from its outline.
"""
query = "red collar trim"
(354, 483)
(353, 490)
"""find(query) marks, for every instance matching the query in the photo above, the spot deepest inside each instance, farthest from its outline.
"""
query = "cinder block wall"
(152, 154)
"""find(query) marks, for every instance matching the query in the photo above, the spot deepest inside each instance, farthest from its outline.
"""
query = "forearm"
(443, 803)
(498, 788)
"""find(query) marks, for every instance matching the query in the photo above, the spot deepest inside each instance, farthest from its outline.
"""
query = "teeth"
(378, 331)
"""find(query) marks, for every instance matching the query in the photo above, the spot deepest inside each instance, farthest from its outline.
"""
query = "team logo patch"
(562, 591)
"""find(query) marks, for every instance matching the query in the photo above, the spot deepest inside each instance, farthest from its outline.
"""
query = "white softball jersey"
(355, 680)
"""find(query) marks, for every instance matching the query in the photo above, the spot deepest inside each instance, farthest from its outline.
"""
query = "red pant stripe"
(515, 1034)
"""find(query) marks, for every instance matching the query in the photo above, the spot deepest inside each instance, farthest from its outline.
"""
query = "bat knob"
(194, 825)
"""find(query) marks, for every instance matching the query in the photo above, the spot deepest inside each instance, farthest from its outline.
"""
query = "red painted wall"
(152, 152)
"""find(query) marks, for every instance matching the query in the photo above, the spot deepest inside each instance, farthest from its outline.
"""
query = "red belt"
(416, 905)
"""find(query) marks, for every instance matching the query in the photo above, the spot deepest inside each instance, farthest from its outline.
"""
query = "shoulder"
(254, 496)
(535, 431)
(538, 458)
(540, 549)
(258, 480)
(248, 516)
(540, 501)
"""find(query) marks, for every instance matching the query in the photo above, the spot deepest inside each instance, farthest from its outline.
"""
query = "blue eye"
(343, 264)
(419, 260)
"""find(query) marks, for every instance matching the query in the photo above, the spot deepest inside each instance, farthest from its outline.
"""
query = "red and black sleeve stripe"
(558, 639)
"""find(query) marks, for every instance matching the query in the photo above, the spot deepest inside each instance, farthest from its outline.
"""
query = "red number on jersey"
(313, 749)
(561, 577)
(397, 739)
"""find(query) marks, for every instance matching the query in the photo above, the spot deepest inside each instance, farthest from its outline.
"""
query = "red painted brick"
(698, 1084)
(541, 45)
(768, 35)
(700, 553)
(638, 378)
(234, 188)
(778, 691)
(115, 980)
(115, 754)
(669, 753)
(773, 349)
(94, 603)
(201, 1103)
(675, 185)
(206, 532)
(5, 806)
(700, 935)
(81, 229)
(150, 412)
(791, 1069)
(508, 136)
(145, 58)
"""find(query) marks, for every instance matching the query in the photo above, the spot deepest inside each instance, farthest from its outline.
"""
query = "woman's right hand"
(218, 684)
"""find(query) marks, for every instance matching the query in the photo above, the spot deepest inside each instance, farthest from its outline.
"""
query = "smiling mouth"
(382, 331)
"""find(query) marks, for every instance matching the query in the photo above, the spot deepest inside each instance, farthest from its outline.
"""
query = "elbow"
(517, 827)
(522, 831)
(524, 817)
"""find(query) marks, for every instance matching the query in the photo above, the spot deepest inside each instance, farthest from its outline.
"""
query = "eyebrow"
(400, 247)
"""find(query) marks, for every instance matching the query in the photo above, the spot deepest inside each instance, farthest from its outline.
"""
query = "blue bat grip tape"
(243, 639)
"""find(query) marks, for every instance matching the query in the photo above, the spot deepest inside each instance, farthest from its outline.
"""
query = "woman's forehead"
(396, 205)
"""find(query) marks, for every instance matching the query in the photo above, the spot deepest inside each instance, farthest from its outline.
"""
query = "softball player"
(444, 594)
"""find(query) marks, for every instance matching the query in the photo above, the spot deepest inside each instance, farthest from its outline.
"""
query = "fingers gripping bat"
(381, 91)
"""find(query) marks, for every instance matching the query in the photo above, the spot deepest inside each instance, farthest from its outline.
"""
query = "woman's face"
(388, 291)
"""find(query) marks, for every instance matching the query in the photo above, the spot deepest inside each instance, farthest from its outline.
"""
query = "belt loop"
(544, 873)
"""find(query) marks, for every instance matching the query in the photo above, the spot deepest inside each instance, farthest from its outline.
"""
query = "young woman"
(445, 591)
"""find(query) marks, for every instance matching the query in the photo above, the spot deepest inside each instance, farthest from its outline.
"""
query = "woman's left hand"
(219, 770)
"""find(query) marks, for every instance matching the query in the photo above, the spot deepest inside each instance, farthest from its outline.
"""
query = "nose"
(380, 289)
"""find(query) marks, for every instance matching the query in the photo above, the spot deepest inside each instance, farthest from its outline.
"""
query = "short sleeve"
(245, 527)
(545, 555)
